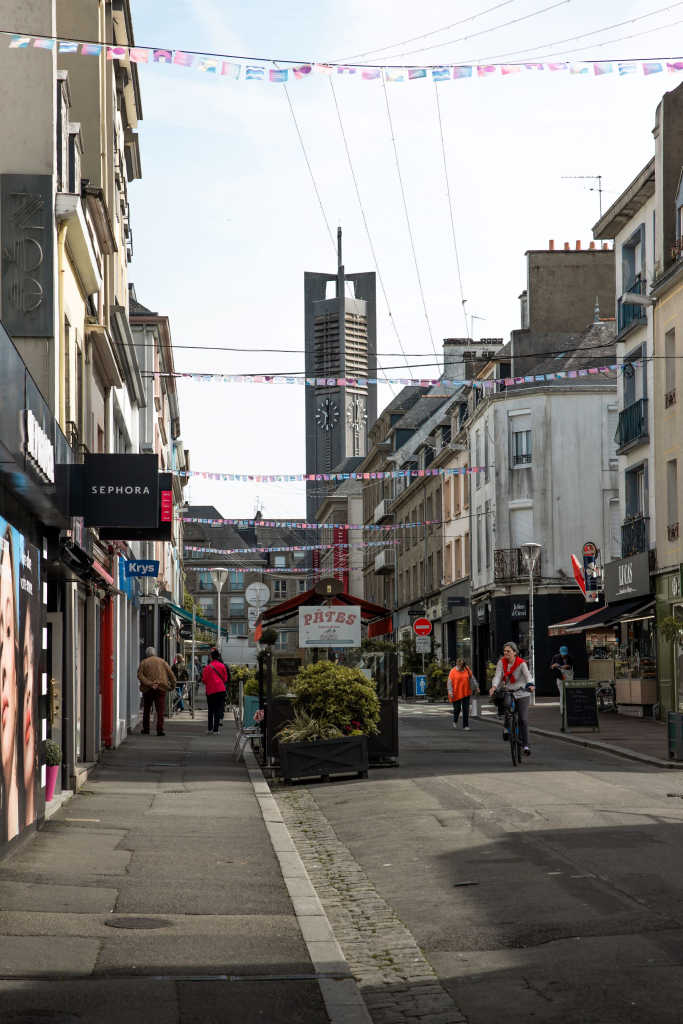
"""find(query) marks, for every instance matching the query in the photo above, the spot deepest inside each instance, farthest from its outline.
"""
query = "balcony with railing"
(670, 398)
(629, 312)
(385, 562)
(635, 535)
(509, 564)
(633, 426)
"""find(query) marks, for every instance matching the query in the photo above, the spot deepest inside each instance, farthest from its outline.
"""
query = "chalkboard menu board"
(581, 705)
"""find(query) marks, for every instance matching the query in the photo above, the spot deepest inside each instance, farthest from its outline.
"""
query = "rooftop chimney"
(551, 244)
(578, 245)
(605, 245)
(592, 245)
(566, 246)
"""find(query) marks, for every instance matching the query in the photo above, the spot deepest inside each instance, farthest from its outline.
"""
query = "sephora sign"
(121, 490)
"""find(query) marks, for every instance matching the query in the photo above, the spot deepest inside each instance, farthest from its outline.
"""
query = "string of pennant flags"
(423, 382)
(299, 547)
(257, 70)
(293, 524)
(299, 477)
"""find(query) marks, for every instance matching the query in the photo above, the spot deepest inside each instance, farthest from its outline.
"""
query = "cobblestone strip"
(395, 980)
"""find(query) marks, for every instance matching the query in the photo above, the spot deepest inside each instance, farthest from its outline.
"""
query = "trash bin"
(675, 729)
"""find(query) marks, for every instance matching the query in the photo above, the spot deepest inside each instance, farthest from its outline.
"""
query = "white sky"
(226, 220)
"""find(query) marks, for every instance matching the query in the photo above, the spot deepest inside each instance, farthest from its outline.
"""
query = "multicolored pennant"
(44, 44)
(208, 64)
(277, 75)
(441, 74)
(302, 71)
(371, 74)
(184, 60)
(231, 70)
(117, 53)
(416, 73)
(91, 49)
(652, 67)
(19, 42)
(255, 72)
(462, 72)
(138, 55)
(395, 75)
(627, 67)
(604, 68)
(66, 47)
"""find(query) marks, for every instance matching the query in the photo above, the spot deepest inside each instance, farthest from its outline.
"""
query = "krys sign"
(329, 626)
(121, 490)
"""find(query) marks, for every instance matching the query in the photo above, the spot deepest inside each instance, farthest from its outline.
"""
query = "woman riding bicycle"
(512, 678)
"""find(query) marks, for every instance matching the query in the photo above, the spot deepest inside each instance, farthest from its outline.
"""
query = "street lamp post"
(531, 553)
(219, 576)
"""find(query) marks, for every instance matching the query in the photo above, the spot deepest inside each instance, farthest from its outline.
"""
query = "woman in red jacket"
(215, 679)
(460, 689)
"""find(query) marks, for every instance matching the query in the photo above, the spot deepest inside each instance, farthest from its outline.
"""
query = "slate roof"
(136, 308)
(420, 412)
(594, 347)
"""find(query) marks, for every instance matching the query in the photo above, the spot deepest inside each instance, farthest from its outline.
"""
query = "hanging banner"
(329, 626)
(263, 478)
(303, 547)
(295, 524)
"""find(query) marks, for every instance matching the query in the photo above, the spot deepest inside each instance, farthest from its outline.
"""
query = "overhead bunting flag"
(264, 478)
(256, 71)
(295, 524)
(422, 382)
(299, 547)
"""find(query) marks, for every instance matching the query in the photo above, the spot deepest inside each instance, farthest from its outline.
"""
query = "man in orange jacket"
(461, 685)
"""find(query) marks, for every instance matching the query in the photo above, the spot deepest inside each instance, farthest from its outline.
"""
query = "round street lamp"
(531, 553)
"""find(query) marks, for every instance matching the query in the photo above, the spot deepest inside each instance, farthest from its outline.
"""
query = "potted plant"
(53, 759)
(437, 681)
(335, 709)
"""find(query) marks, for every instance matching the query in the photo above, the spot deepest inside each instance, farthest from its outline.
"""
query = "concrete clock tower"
(340, 341)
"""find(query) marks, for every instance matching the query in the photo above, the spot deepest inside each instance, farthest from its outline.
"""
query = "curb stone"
(395, 979)
(343, 1000)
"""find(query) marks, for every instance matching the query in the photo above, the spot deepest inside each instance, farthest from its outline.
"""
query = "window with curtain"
(237, 581)
(237, 606)
(205, 581)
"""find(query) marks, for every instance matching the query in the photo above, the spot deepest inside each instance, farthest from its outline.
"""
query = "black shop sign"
(519, 610)
(121, 490)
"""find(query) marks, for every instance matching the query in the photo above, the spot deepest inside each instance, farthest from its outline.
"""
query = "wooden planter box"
(348, 756)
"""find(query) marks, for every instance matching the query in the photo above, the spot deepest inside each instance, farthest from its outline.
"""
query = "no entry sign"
(422, 627)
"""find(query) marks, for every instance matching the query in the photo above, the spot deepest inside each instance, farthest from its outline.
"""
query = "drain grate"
(135, 923)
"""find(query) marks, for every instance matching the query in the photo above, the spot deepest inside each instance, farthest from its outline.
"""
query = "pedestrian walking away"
(215, 679)
(182, 676)
(156, 680)
(512, 677)
(461, 686)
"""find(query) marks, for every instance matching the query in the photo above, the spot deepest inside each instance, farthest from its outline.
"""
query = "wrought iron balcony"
(628, 312)
(672, 530)
(677, 249)
(635, 535)
(670, 398)
(509, 564)
(633, 428)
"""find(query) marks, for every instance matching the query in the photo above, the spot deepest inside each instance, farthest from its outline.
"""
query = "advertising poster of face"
(20, 655)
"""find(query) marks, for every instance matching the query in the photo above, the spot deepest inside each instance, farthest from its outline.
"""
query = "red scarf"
(508, 669)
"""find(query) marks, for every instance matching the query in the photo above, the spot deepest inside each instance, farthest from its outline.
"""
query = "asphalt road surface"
(577, 911)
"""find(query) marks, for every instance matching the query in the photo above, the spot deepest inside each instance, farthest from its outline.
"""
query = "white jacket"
(518, 680)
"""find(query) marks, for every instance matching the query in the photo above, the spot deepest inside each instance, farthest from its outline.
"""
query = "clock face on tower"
(327, 414)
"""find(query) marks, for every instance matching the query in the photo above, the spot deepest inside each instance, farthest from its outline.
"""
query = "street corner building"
(80, 365)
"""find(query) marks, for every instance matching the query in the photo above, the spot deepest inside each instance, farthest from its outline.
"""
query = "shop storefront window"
(463, 639)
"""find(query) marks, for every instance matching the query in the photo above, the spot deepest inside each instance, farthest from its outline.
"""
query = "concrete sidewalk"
(149, 891)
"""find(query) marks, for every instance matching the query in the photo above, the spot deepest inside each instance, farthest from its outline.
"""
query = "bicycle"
(514, 733)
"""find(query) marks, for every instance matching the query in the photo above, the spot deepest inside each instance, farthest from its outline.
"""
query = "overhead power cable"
(484, 31)
(585, 35)
(365, 222)
(450, 206)
(405, 207)
(426, 35)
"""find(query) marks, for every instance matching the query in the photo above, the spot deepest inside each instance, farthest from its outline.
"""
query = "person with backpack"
(215, 679)
(461, 686)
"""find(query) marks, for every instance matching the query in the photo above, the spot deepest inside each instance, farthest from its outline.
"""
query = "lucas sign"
(329, 626)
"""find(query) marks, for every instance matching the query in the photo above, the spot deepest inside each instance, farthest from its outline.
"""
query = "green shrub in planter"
(303, 728)
(251, 688)
(53, 754)
(344, 697)
(437, 680)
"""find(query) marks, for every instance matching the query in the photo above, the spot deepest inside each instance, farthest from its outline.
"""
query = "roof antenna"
(597, 311)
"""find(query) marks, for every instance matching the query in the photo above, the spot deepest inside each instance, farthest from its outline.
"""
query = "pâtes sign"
(329, 626)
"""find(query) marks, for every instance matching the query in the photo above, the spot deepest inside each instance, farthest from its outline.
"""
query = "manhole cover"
(37, 1017)
(133, 922)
